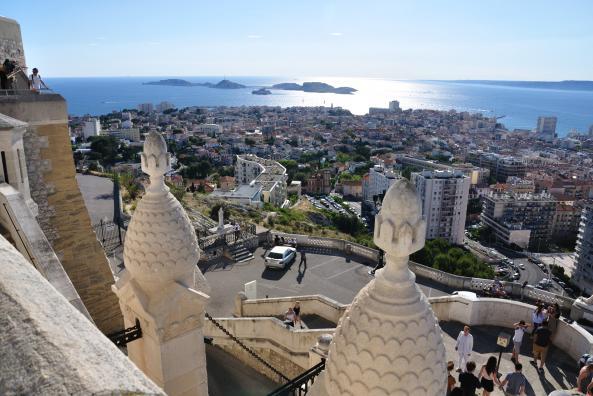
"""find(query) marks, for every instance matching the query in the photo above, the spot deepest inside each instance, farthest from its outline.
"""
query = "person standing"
(450, 379)
(289, 317)
(488, 376)
(515, 382)
(464, 346)
(520, 328)
(297, 314)
(380, 263)
(541, 342)
(468, 382)
(237, 232)
(303, 259)
(35, 81)
(585, 376)
(553, 317)
(538, 316)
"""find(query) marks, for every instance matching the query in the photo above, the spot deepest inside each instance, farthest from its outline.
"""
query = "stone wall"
(63, 216)
(11, 43)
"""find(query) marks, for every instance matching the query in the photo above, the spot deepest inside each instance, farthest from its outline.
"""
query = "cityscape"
(300, 247)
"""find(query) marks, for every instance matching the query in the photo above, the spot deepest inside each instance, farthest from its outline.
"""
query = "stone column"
(162, 287)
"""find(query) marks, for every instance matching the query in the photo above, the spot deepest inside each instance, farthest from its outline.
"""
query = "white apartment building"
(92, 127)
(131, 134)
(146, 107)
(444, 196)
(546, 127)
(164, 106)
(210, 129)
(583, 273)
(269, 174)
(379, 181)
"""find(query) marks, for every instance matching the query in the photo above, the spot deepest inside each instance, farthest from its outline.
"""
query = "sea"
(517, 106)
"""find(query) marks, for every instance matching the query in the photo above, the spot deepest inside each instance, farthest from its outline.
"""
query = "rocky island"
(318, 87)
(261, 91)
(223, 84)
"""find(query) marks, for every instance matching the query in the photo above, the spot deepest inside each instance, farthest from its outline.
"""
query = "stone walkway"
(560, 369)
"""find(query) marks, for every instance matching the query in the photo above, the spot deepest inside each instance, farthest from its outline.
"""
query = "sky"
(412, 39)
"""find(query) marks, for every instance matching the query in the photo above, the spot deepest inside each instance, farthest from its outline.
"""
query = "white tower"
(388, 341)
(162, 287)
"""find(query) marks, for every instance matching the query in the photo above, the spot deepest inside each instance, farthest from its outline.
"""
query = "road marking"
(343, 272)
(325, 262)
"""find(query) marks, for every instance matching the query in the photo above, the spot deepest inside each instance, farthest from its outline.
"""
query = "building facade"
(319, 182)
(269, 174)
(546, 128)
(379, 181)
(583, 273)
(525, 220)
(92, 127)
(444, 196)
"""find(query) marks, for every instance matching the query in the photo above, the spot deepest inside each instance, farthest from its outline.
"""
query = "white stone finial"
(162, 287)
(155, 159)
(388, 342)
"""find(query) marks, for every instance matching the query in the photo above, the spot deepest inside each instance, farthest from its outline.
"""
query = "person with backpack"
(35, 81)
(468, 382)
(515, 382)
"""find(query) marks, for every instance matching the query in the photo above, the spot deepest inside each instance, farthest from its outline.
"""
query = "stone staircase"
(239, 253)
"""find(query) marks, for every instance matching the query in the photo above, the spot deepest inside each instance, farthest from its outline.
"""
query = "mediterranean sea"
(519, 106)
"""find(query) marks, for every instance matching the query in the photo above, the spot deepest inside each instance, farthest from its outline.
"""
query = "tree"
(104, 149)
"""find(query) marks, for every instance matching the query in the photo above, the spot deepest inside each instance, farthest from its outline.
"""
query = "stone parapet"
(48, 347)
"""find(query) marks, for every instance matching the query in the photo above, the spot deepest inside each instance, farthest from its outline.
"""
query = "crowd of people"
(543, 328)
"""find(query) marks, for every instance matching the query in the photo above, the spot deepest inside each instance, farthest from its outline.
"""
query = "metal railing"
(247, 349)
(110, 234)
(299, 386)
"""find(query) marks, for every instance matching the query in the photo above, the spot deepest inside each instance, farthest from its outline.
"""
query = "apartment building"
(378, 182)
(501, 167)
(525, 220)
(583, 273)
(444, 196)
(319, 182)
(269, 174)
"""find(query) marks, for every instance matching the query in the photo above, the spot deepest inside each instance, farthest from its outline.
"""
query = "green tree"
(104, 149)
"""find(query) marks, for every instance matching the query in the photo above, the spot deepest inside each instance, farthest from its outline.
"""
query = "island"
(223, 84)
(261, 91)
(318, 87)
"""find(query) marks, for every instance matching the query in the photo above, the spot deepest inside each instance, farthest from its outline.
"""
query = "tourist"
(380, 263)
(468, 382)
(35, 81)
(515, 382)
(538, 316)
(523, 286)
(553, 317)
(3, 77)
(520, 328)
(237, 231)
(541, 342)
(289, 317)
(464, 346)
(583, 360)
(450, 379)
(585, 376)
(303, 259)
(297, 314)
(276, 240)
(488, 376)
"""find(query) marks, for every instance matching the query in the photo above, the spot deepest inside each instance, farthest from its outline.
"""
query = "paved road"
(334, 276)
(98, 196)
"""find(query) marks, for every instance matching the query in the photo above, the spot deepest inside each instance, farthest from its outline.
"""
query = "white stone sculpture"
(221, 221)
(389, 342)
(162, 286)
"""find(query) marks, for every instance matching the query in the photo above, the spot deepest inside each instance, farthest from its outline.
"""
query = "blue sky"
(415, 39)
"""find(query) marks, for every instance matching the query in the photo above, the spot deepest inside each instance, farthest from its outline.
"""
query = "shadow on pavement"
(219, 264)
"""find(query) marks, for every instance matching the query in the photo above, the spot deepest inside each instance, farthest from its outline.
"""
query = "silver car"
(280, 257)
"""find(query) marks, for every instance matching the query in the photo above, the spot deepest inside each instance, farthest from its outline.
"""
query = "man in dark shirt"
(541, 343)
(468, 382)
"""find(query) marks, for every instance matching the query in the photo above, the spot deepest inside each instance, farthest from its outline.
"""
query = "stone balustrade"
(449, 280)
(320, 305)
(571, 338)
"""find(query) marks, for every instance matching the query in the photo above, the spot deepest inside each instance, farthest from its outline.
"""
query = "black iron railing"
(247, 349)
(121, 338)
(299, 386)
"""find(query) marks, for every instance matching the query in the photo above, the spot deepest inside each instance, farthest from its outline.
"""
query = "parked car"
(280, 257)
(522, 266)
